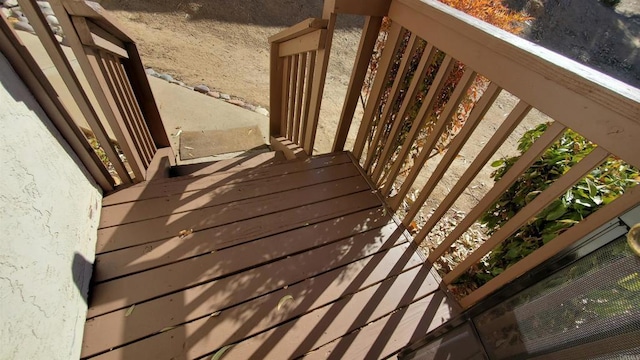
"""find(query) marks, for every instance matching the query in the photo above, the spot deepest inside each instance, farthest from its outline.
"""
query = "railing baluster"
(432, 139)
(427, 58)
(146, 141)
(425, 110)
(286, 76)
(317, 89)
(368, 40)
(595, 158)
(393, 42)
(293, 88)
(125, 109)
(627, 201)
(37, 20)
(503, 132)
(132, 153)
(477, 114)
(302, 69)
(307, 97)
(391, 100)
(276, 69)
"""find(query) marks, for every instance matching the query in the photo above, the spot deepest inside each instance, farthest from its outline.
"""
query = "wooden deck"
(287, 260)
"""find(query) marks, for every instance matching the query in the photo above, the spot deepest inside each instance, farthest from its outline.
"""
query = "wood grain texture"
(302, 28)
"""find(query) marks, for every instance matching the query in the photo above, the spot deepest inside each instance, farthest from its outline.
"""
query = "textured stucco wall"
(48, 216)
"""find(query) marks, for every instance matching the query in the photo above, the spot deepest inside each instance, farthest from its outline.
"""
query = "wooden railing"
(110, 62)
(604, 110)
(299, 59)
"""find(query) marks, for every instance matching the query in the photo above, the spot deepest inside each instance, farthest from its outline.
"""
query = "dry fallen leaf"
(183, 233)
(188, 147)
(220, 353)
(284, 300)
(130, 310)
(167, 329)
(215, 314)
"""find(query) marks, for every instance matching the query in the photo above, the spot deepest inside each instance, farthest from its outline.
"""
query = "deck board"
(319, 235)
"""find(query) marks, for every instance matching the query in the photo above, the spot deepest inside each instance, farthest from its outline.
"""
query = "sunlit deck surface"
(286, 260)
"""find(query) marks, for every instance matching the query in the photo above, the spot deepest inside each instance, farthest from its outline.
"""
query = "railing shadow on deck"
(364, 240)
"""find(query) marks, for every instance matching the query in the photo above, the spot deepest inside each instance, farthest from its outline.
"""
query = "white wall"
(49, 211)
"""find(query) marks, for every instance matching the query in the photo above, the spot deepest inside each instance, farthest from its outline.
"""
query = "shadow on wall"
(276, 13)
(81, 269)
(602, 37)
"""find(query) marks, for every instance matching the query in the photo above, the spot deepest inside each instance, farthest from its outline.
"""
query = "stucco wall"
(48, 217)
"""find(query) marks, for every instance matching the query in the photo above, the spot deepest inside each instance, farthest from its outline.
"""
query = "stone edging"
(203, 89)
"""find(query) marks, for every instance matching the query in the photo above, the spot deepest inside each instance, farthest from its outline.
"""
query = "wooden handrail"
(598, 107)
(299, 29)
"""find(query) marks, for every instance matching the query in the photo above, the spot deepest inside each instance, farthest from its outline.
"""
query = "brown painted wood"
(332, 322)
(392, 45)
(425, 111)
(312, 41)
(286, 87)
(602, 109)
(88, 38)
(121, 123)
(302, 28)
(222, 194)
(302, 69)
(427, 59)
(577, 172)
(431, 141)
(625, 202)
(142, 90)
(112, 65)
(161, 164)
(169, 226)
(250, 161)
(368, 40)
(477, 114)
(317, 86)
(95, 12)
(145, 136)
(227, 173)
(293, 95)
(29, 71)
(304, 122)
(494, 143)
(136, 288)
(297, 225)
(399, 80)
(59, 59)
(169, 311)
(291, 150)
(315, 292)
(390, 334)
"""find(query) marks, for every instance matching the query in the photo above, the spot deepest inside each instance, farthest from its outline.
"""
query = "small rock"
(236, 102)
(47, 11)
(166, 77)
(214, 94)
(10, 3)
(202, 89)
(176, 82)
(249, 107)
(44, 4)
(225, 96)
(261, 110)
(6, 12)
(150, 72)
(24, 27)
(52, 20)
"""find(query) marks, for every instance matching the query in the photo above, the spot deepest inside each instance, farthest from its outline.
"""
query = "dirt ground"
(223, 44)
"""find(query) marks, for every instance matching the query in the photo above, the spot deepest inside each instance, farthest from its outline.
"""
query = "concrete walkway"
(180, 108)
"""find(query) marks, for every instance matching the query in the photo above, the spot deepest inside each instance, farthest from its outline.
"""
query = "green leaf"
(593, 190)
(497, 163)
(220, 353)
(556, 212)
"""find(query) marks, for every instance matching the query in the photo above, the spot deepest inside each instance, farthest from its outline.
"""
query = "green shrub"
(598, 188)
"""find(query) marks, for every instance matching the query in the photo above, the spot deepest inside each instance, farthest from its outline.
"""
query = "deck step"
(206, 168)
